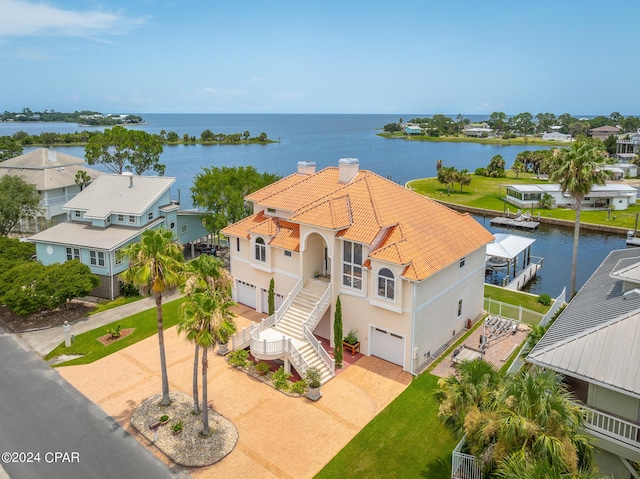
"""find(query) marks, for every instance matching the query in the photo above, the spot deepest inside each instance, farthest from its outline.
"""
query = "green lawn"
(145, 325)
(515, 298)
(520, 140)
(122, 300)
(404, 440)
(485, 193)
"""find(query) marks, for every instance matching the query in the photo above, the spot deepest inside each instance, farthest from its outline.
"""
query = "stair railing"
(324, 355)
(319, 309)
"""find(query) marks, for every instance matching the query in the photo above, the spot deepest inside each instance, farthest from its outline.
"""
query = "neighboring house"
(595, 345)
(478, 130)
(53, 174)
(409, 271)
(109, 214)
(628, 145)
(413, 130)
(604, 132)
(616, 196)
(556, 136)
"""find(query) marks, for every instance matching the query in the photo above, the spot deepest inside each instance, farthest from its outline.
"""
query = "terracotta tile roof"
(288, 236)
(285, 234)
(400, 226)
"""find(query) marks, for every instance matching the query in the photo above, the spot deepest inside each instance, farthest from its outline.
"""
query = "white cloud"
(234, 92)
(21, 18)
(208, 91)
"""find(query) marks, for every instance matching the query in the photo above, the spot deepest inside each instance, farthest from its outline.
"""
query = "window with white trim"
(150, 215)
(108, 220)
(261, 250)
(352, 265)
(184, 228)
(459, 308)
(120, 218)
(73, 253)
(237, 245)
(288, 253)
(77, 214)
(132, 219)
(96, 258)
(386, 284)
(462, 262)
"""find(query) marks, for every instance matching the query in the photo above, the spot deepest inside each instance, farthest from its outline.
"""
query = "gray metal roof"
(120, 194)
(47, 169)
(83, 235)
(596, 337)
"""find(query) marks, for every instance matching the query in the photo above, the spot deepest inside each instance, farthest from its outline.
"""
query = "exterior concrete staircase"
(291, 323)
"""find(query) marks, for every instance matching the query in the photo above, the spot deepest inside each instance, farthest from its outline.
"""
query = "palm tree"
(204, 273)
(469, 388)
(577, 169)
(208, 318)
(155, 265)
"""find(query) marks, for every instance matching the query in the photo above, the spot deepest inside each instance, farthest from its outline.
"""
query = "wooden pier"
(516, 222)
(524, 276)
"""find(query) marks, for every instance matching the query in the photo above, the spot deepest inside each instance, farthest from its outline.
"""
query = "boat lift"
(495, 328)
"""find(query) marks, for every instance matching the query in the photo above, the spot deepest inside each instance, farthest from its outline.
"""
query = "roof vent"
(348, 169)
(130, 175)
(306, 167)
(52, 156)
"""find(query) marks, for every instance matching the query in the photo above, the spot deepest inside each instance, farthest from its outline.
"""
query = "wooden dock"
(515, 223)
(524, 277)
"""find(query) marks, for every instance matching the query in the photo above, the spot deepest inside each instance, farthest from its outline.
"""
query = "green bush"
(480, 171)
(239, 358)
(281, 379)
(544, 299)
(115, 331)
(299, 387)
(262, 368)
(128, 290)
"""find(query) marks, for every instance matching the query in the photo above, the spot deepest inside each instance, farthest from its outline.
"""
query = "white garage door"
(265, 300)
(387, 345)
(246, 293)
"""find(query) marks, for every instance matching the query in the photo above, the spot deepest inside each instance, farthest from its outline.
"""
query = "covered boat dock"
(509, 261)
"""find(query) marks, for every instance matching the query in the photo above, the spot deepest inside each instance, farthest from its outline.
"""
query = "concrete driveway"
(280, 436)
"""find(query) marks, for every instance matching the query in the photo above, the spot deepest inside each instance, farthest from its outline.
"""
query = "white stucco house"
(53, 174)
(617, 196)
(409, 272)
(556, 136)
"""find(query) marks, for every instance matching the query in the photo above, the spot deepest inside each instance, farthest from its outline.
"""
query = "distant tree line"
(522, 124)
(86, 117)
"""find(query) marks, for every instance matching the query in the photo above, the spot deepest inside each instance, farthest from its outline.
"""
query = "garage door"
(279, 299)
(387, 345)
(246, 293)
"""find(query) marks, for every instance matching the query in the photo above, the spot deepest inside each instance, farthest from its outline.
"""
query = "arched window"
(386, 284)
(261, 250)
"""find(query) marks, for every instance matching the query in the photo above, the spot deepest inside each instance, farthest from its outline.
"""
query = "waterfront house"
(110, 213)
(617, 196)
(604, 132)
(595, 345)
(478, 130)
(53, 174)
(409, 271)
(556, 136)
(413, 129)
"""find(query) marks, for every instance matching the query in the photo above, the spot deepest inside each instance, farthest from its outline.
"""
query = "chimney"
(52, 155)
(130, 175)
(348, 169)
(306, 167)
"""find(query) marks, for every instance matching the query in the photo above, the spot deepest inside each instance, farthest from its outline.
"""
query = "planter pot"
(223, 349)
(164, 422)
(314, 393)
(176, 433)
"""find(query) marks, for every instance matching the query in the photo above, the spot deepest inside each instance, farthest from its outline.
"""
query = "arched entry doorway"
(316, 256)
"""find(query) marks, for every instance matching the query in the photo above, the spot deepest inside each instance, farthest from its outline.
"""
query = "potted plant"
(316, 274)
(223, 342)
(262, 368)
(351, 342)
(313, 378)
(164, 419)
(176, 427)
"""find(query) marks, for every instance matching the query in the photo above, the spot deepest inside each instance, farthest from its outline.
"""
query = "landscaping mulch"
(45, 319)
(107, 339)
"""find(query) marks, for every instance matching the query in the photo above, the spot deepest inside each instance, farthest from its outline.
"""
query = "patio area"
(496, 352)
(309, 433)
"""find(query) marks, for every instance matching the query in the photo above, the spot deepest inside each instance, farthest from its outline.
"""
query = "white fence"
(464, 466)
(612, 427)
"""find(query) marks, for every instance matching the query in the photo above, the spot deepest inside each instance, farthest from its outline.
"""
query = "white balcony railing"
(620, 430)
(315, 344)
(319, 309)
(464, 466)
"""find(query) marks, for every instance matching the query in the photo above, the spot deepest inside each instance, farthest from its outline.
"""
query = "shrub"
(299, 387)
(351, 338)
(546, 201)
(115, 332)
(280, 379)
(313, 377)
(239, 358)
(545, 299)
(480, 171)
(262, 368)
(128, 290)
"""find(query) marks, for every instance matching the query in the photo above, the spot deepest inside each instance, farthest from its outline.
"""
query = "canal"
(555, 245)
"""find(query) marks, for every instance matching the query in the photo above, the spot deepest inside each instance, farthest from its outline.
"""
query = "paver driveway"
(279, 436)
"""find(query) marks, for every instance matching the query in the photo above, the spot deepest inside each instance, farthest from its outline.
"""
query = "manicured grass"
(485, 193)
(405, 440)
(515, 298)
(145, 324)
(122, 300)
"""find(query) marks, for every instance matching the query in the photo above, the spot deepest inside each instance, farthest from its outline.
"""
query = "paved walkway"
(280, 436)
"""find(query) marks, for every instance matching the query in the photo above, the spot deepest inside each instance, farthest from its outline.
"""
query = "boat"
(496, 262)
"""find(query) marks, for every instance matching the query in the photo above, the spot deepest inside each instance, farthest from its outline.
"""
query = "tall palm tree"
(155, 266)
(577, 169)
(204, 273)
(209, 319)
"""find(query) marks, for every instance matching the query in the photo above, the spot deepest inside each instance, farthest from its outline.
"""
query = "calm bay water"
(327, 138)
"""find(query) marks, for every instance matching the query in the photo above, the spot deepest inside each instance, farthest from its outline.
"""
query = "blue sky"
(470, 57)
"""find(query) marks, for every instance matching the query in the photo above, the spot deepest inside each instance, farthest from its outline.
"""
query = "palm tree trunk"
(205, 406)
(163, 358)
(196, 404)
(574, 257)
